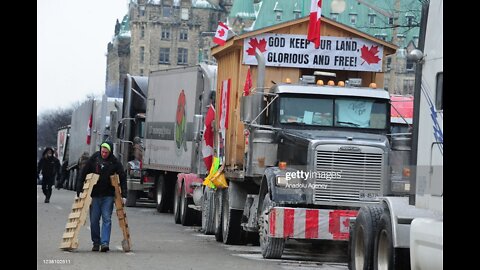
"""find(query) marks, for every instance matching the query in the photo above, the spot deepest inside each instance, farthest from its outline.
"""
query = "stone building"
(164, 34)
(118, 59)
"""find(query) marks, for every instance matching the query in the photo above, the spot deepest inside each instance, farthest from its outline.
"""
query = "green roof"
(125, 26)
(367, 20)
(243, 9)
(273, 12)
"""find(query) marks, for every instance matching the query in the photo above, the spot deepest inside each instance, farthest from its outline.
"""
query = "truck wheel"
(272, 248)
(131, 198)
(231, 218)
(177, 204)
(218, 215)
(161, 194)
(208, 211)
(187, 214)
(386, 257)
(363, 234)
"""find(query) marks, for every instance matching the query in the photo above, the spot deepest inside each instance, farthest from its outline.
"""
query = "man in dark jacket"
(105, 164)
(49, 166)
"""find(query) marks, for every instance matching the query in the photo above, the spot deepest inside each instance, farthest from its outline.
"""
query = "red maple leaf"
(255, 44)
(369, 55)
(221, 32)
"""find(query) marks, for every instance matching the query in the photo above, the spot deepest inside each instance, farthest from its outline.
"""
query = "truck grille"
(360, 175)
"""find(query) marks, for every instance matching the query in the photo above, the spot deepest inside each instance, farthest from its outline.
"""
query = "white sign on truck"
(338, 53)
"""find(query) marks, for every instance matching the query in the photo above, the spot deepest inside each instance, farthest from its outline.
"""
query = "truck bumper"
(134, 184)
(306, 223)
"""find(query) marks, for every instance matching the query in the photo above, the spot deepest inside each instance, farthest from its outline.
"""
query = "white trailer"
(88, 128)
(177, 102)
(407, 232)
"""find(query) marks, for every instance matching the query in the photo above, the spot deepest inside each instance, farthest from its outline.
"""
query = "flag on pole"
(221, 34)
(314, 23)
(207, 142)
(224, 104)
(248, 83)
(89, 129)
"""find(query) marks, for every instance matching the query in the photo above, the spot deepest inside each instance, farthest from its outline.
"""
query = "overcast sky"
(72, 38)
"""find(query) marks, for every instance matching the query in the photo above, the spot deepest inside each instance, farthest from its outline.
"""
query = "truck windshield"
(352, 112)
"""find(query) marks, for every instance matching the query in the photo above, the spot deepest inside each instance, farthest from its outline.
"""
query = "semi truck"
(88, 128)
(158, 134)
(128, 123)
(407, 232)
(299, 155)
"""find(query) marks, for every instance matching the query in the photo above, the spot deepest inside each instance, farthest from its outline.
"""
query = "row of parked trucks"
(300, 159)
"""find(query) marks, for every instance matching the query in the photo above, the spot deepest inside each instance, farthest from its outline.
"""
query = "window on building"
(297, 14)
(278, 16)
(141, 72)
(409, 65)
(390, 21)
(381, 36)
(353, 18)
(439, 92)
(183, 34)
(334, 16)
(165, 32)
(142, 32)
(389, 63)
(410, 20)
(142, 54)
(141, 10)
(164, 56)
(167, 11)
(371, 18)
(182, 56)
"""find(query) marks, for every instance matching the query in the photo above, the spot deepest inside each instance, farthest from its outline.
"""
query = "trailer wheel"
(231, 218)
(218, 215)
(362, 237)
(177, 204)
(386, 257)
(208, 211)
(131, 198)
(161, 194)
(187, 214)
(272, 248)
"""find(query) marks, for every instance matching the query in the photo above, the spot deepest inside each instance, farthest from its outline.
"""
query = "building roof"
(125, 27)
(390, 48)
(267, 14)
(366, 19)
(243, 9)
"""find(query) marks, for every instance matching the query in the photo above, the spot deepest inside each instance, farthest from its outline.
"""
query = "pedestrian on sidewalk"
(49, 167)
(105, 164)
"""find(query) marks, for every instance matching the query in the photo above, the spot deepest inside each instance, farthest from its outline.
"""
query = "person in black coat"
(49, 167)
(105, 164)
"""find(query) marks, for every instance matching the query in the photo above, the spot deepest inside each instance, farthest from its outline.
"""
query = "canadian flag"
(314, 23)
(89, 129)
(207, 142)
(221, 34)
(248, 83)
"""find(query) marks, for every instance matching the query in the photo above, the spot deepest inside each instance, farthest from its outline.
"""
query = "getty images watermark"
(306, 175)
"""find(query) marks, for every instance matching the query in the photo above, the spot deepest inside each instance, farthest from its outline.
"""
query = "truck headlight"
(281, 181)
